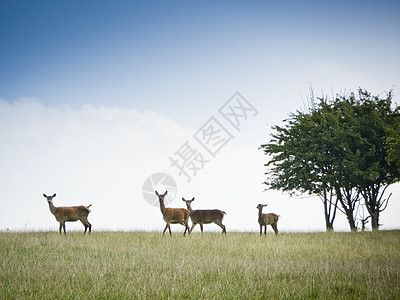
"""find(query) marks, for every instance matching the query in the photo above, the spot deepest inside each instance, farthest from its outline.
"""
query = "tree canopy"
(338, 149)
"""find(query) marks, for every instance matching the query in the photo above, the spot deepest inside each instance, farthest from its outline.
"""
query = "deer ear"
(157, 193)
(193, 199)
(183, 199)
(44, 195)
(165, 193)
(54, 195)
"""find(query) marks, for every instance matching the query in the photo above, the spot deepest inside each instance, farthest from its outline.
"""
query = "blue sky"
(154, 67)
(130, 53)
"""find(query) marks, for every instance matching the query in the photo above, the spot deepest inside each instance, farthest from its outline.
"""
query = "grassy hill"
(146, 265)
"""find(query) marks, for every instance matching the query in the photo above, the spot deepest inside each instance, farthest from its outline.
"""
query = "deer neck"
(260, 213)
(162, 207)
(189, 207)
(52, 208)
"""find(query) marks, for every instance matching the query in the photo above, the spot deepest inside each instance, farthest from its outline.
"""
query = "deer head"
(49, 198)
(161, 197)
(188, 203)
(261, 206)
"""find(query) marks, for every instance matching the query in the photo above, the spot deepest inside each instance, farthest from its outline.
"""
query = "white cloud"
(97, 155)
(102, 155)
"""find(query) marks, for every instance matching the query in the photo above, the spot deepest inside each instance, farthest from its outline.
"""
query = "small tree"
(393, 141)
(336, 150)
(300, 159)
(374, 119)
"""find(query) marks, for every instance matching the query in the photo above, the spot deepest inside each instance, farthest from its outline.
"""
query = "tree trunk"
(329, 227)
(329, 209)
(348, 203)
(352, 223)
(371, 200)
(375, 221)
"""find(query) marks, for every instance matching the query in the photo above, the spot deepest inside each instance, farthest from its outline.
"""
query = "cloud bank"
(101, 155)
(96, 155)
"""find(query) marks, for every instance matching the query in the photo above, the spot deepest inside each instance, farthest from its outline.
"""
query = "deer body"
(173, 215)
(205, 216)
(267, 219)
(69, 214)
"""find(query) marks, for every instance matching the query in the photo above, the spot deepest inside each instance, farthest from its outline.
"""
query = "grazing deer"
(267, 219)
(205, 216)
(173, 215)
(69, 214)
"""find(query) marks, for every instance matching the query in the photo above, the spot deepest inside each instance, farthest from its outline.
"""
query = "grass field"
(143, 265)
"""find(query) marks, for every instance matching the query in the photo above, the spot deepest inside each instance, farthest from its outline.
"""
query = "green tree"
(300, 160)
(393, 141)
(343, 157)
(336, 150)
(375, 118)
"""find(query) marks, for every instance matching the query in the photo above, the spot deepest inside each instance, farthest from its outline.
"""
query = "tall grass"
(129, 265)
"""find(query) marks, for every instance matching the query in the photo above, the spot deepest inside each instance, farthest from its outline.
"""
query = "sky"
(97, 96)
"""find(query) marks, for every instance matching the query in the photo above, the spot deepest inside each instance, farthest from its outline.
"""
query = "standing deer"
(173, 215)
(205, 216)
(267, 219)
(69, 214)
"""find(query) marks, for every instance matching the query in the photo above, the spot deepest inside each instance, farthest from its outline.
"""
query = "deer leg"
(191, 229)
(184, 223)
(223, 228)
(60, 227)
(87, 225)
(260, 230)
(186, 228)
(169, 229)
(201, 227)
(265, 230)
(219, 223)
(166, 226)
(65, 232)
(275, 227)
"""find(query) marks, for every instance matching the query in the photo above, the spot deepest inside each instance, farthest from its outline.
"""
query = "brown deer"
(69, 214)
(205, 216)
(267, 219)
(173, 215)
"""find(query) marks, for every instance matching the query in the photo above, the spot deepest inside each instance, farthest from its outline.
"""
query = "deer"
(173, 215)
(205, 216)
(267, 219)
(69, 214)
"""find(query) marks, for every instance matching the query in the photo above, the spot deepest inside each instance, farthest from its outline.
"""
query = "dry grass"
(118, 265)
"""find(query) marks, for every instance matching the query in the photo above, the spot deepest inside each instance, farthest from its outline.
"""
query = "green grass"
(129, 265)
